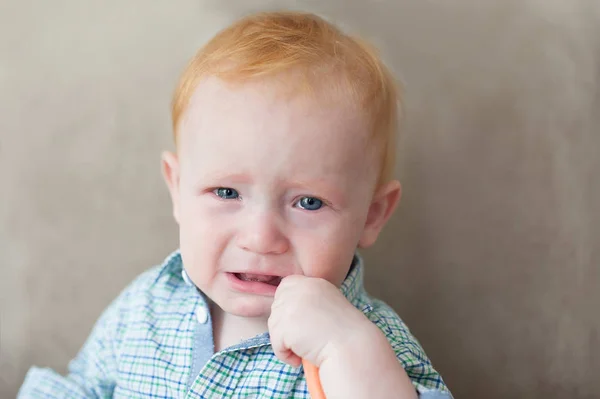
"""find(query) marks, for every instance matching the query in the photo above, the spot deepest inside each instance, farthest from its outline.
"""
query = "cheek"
(203, 236)
(201, 219)
(327, 252)
(331, 260)
(195, 223)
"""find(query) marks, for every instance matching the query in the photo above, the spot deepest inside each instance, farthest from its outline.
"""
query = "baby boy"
(285, 139)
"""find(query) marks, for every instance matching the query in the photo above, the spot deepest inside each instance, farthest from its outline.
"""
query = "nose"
(262, 234)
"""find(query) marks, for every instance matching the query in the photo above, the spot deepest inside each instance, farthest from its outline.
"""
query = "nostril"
(263, 241)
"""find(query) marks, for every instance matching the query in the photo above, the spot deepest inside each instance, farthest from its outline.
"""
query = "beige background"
(493, 258)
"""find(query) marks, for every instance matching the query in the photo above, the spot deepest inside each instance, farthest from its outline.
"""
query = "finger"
(291, 280)
(273, 324)
(277, 303)
(284, 285)
(289, 357)
(283, 352)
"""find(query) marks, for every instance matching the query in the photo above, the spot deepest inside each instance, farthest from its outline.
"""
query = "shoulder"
(146, 294)
(159, 280)
(407, 348)
(390, 323)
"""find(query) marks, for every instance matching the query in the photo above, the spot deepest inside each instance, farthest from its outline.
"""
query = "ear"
(170, 170)
(382, 207)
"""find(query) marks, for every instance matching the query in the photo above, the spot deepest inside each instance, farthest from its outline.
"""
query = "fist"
(311, 319)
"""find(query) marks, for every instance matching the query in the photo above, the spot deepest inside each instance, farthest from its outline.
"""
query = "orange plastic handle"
(312, 380)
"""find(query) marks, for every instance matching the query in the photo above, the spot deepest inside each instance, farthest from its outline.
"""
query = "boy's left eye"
(226, 193)
(309, 203)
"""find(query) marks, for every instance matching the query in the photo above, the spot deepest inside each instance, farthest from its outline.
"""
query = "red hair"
(267, 44)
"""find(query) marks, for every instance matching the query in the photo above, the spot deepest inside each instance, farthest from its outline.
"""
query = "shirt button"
(202, 314)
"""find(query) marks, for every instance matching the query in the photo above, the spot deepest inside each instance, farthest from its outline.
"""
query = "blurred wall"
(494, 253)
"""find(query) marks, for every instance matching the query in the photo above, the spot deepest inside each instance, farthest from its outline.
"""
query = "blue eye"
(226, 193)
(310, 203)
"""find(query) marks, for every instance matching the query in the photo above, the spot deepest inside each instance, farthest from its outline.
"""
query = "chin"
(257, 307)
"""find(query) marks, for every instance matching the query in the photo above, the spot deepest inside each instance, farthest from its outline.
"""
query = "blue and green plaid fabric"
(155, 341)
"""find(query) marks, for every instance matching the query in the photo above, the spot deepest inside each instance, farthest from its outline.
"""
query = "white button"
(202, 314)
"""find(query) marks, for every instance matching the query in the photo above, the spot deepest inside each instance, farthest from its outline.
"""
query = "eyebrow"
(230, 177)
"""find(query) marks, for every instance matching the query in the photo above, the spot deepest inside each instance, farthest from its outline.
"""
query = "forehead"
(259, 123)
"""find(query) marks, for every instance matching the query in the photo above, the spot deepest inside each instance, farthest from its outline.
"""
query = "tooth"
(256, 278)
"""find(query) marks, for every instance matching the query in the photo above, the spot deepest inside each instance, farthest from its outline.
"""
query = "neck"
(230, 329)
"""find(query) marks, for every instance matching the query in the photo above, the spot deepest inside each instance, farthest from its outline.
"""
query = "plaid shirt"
(155, 341)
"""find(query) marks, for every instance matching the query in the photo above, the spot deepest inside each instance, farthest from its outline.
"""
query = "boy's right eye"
(226, 193)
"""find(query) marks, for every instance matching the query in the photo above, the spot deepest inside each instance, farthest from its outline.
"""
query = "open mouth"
(259, 278)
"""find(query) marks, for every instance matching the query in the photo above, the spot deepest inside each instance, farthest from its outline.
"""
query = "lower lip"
(251, 287)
